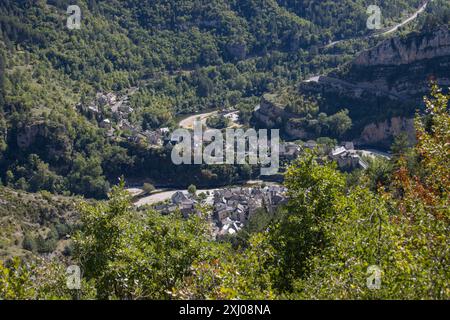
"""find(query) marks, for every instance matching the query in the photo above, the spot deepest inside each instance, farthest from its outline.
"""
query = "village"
(229, 209)
(232, 208)
(112, 112)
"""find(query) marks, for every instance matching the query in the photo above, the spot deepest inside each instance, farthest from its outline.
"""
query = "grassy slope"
(32, 214)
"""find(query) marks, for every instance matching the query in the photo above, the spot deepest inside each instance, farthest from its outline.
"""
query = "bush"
(62, 230)
(29, 243)
(192, 189)
(47, 245)
(68, 250)
(148, 188)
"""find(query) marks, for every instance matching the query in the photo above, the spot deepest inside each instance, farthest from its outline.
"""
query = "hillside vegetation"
(63, 174)
(183, 56)
(322, 245)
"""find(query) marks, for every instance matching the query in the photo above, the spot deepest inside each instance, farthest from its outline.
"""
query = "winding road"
(383, 33)
(411, 18)
(390, 29)
(188, 123)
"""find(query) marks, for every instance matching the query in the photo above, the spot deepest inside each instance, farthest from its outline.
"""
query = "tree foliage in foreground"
(403, 231)
(320, 247)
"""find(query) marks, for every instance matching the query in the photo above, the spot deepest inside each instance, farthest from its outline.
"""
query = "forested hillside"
(63, 170)
(183, 56)
(322, 245)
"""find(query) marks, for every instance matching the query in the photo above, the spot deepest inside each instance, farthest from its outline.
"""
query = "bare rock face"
(237, 50)
(296, 131)
(399, 51)
(27, 136)
(269, 111)
(384, 86)
(403, 66)
(379, 133)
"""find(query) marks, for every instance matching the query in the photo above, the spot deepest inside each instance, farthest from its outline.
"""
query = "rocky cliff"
(384, 86)
(383, 132)
(270, 112)
(32, 136)
(403, 66)
(414, 48)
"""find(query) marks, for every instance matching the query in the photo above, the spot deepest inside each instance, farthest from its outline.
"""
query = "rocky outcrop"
(404, 66)
(47, 141)
(398, 51)
(237, 50)
(385, 85)
(382, 88)
(270, 113)
(295, 130)
(27, 135)
(383, 132)
(346, 88)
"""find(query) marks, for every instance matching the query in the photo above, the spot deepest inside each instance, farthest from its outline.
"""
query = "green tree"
(339, 123)
(313, 189)
(192, 189)
(29, 243)
(16, 282)
(403, 231)
(148, 188)
(400, 145)
(224, 274)
(2, 82)
(128, 255)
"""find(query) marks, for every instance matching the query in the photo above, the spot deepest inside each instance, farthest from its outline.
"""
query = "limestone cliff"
(414, 48)
(383, 132)
(270, 112)
(382, 88)
(403, 66)
(385, 85)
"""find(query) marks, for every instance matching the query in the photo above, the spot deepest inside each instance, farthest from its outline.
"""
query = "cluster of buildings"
(347, 157)
(180, 200)
(289, 151)
(155, 138)
(112, 112)
(232, 208)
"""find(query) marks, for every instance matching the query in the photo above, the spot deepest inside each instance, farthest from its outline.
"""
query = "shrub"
(29, 243)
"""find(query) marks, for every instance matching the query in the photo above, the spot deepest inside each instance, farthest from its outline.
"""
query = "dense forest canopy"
(184, 56)
(60, 165)
(321, 245)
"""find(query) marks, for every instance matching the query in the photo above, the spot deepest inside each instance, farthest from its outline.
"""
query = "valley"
(93, 177)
